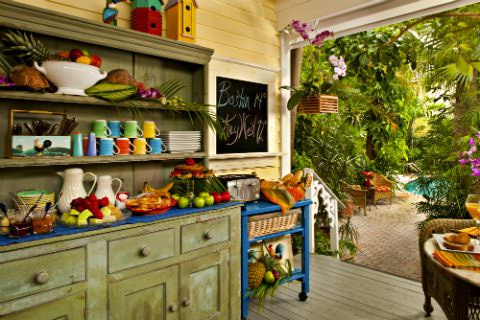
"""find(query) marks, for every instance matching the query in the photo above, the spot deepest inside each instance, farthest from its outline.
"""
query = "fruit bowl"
(125, 215)
(70, 77)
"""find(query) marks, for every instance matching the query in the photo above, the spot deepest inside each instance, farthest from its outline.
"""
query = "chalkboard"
(242, 108)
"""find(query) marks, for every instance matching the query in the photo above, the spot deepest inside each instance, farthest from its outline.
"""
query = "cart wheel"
(302, 296)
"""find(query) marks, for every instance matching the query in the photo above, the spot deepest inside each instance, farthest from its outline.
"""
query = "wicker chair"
(358, 196)
(380, 181)
(458, 299)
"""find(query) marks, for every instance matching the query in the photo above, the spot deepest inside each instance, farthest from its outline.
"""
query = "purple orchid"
(305, 29)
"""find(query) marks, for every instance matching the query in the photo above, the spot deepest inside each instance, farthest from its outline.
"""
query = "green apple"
(204, 194)
(106, 211)
(64, 217)
(74, 212)
(85, 52)
(199, 202)
(176, 196)
(82, 217)
(71, 220)
(183, 202)
(269, 277)
(210, 200)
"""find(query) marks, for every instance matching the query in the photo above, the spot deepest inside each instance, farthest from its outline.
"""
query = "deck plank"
(340, 290)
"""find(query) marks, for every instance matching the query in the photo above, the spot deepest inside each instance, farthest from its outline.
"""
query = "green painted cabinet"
(204, 287)
(183, 268)
(150, 296)
(69, 308)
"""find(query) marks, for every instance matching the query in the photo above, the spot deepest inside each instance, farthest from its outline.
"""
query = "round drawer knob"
(207, 235)
(172, 307)
(186, 302)
(145, 251)
(41, 277)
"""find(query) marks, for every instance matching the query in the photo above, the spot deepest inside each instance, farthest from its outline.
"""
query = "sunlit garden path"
(388, 237)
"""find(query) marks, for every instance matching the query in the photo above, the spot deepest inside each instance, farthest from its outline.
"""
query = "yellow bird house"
(181, 20)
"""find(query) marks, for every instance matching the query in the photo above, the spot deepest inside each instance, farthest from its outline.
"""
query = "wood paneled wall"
(246, 45)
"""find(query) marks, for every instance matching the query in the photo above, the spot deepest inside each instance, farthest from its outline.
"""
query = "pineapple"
(23, 47)
(256, 272)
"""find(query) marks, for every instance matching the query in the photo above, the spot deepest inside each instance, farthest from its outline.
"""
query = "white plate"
(439, 239)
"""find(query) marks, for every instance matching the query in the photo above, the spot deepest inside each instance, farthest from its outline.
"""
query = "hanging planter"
(318, 103)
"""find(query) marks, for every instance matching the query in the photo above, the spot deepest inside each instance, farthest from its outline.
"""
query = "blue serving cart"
(262, 207)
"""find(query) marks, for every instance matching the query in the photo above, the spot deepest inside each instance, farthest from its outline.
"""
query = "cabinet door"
(150, 296)
(68, 308)
(205, 287)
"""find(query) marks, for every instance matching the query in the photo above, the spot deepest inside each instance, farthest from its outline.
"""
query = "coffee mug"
(141, 146)
(131, 129)
(125, 147)
(114, 126)
(77, 144)
(150, 130)
(106, 147)
(157, 146)
(100, 128)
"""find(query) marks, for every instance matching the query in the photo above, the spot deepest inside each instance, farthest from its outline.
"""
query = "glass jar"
(43, 223)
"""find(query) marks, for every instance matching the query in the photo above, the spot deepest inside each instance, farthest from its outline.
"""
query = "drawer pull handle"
(41, 277)
(145, 251)
(207, 235)
(186, 302)
(173, 308)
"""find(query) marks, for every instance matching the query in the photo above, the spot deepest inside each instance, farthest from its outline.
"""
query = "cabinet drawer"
(202, 234)
(134, 251)
(24, 277)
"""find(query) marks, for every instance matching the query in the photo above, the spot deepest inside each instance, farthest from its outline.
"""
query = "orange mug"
(125, 147)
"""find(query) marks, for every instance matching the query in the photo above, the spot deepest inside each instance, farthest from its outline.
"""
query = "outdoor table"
(457, 291)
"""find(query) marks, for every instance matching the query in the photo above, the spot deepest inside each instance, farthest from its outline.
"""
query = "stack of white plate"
(182, 141)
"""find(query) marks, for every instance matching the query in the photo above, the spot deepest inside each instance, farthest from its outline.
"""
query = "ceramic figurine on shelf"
(110, 12)
(181, 20)
(147, 17)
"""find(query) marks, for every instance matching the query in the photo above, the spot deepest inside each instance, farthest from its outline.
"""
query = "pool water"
(424, 188)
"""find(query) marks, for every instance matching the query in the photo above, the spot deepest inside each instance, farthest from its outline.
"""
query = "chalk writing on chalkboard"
(242, 108)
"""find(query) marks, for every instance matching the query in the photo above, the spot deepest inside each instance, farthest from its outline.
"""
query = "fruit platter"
(90, 211)
(152, 200)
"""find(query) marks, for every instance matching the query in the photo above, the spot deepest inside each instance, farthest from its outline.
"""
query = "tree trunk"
(370, 147)
(296, 71)
(465, 101)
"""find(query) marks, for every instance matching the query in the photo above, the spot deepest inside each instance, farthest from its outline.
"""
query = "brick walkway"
(388, 237)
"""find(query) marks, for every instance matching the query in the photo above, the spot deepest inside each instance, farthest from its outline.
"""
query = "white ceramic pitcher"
(72, 187)
(105, 188)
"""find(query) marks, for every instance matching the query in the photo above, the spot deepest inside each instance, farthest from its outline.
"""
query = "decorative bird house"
(155, 5)
(147, 17)
(181, 20)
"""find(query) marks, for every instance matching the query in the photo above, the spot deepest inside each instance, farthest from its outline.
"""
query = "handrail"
(327, 188)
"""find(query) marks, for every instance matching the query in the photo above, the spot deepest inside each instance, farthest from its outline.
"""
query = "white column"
(285, 95)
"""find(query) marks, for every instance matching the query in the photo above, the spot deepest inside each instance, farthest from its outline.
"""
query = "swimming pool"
(425, 187)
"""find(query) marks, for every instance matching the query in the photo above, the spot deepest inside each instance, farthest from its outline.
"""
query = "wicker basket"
(269, 223)
(319, 103)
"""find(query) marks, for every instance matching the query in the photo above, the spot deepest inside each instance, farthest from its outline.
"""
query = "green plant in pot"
(308, 96)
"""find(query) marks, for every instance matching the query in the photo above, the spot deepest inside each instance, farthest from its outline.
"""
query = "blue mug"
(106, 147)
(114, 126)
(157, 145)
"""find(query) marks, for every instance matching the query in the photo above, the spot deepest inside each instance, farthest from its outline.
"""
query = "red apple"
(217, 197)
(75, 54)
(225, 196)
(190, 162)
(63, 54)
(95, 61)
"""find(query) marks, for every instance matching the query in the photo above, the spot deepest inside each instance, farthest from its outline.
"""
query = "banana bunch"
(147, 188)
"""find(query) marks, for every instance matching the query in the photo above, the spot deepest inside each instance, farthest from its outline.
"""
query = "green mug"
(131, 129)
(101, 129)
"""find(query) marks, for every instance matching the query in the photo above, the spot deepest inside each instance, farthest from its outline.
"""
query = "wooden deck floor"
(342, 291)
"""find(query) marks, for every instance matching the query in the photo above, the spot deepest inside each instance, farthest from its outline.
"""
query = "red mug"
(125, 147)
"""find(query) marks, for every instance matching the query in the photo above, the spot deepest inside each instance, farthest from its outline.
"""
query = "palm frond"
(170, 88)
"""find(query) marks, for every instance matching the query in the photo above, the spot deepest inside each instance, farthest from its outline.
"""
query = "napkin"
(470, 261)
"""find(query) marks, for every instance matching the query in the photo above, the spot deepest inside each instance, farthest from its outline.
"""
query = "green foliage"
(20, 47)
(347, 248)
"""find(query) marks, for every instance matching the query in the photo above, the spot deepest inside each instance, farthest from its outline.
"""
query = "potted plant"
(308, 96)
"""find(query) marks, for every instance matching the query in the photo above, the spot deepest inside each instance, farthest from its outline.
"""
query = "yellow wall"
(246, 45)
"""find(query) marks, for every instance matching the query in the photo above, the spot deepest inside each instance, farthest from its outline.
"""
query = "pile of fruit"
(90, 210)
(288, 191)
(190, 170)
(80, 56)
(264, 276)
(203, 199)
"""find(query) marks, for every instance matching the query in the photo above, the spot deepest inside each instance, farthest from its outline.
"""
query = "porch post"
(285, 95)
